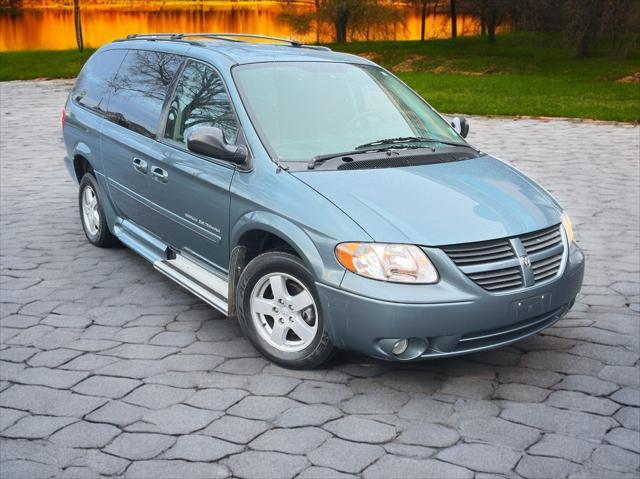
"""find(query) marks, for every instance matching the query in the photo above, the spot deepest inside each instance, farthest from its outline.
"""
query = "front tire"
(280, 312)
(92, 215)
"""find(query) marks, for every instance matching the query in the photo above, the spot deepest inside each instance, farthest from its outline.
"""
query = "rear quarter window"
(91, 89)
(140, 88)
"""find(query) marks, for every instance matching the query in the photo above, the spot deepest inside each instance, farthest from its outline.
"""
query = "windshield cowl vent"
(399, 161)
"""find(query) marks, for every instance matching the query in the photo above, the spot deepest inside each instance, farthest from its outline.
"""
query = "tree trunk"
(78, 24)
(454, 19)
(341, 27)
(492, 21)
(483, 17)
(423, 25)
(594, 12)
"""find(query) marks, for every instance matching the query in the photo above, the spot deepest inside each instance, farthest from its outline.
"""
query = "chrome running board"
(197, 279)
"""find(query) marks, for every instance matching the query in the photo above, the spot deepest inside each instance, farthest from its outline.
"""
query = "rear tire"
(280, 313)
(94, 223)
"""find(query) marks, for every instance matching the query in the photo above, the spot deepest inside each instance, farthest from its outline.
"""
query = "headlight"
(566, 223)
(398, 263)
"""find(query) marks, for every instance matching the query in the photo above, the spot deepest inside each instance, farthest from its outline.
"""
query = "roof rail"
(230, 37)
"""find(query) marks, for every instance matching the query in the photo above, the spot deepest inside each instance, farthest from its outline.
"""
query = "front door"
(128, 143)
(191, 192)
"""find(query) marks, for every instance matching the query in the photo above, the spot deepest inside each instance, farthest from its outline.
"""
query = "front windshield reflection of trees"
(308, 109)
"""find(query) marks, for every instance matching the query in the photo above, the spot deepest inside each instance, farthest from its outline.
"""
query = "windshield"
(306, 109)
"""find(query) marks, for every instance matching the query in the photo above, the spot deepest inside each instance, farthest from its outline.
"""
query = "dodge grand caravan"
(315, 197)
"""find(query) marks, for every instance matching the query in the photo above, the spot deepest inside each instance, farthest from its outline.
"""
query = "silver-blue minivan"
(315, 197)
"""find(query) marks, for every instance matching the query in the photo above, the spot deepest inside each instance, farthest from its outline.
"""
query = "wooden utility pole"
(78, 24)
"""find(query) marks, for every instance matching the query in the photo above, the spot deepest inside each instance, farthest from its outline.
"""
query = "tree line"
(583, 22)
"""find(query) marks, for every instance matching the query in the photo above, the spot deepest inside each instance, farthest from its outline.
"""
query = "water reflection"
(53, 28)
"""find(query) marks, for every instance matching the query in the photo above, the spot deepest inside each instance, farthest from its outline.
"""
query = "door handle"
(159, 174)
(140, 165)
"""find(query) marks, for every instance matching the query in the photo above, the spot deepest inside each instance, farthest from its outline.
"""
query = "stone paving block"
(291, 441)
(375, 403)
(481, 457)
(217, 399)
(622, 375)
(42, 400)
(494, 430)
(262, 407)
(53, 358)
(536, 467)
(85, 434)
(345, 456)
(555, 445)
(154, 396)
(195, 447)
(236, 429)
(521, 392)
(24, 469)
(137, 446)
(582, 402)
(53, 378)
(266, 465)
(267, 385)
(408, 468)
(431, 435)
(106, 386)
(37, 427)
(628, 396)
(586, 384)
(359, 429)
(625, 438)
(629, 417)
(308, 415)
(616, 458)
(314, 472)
(312, 392)
(550, 419)
(118, 413)
(177, 419)
(172, 469)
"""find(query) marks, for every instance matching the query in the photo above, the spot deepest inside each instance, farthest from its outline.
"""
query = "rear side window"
(92, 87)
(200, 100)
(139, 90)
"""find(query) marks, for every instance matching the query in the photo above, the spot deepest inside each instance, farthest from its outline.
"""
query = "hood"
(439, 204)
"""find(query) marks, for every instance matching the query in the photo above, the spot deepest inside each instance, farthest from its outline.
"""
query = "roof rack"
(230, 37)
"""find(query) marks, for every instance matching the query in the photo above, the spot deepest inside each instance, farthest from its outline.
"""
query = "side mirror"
(459, 123)
(209, 141)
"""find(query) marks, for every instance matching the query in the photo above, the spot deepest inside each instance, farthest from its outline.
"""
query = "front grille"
(479, 253)
(499, 279)
(511, 263)
(546, 268)
(541, 240)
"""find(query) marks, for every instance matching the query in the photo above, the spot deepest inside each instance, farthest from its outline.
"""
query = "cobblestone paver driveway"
(110, 369)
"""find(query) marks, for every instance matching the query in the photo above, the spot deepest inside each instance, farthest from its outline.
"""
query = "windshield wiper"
(409, 139)
(316, 160)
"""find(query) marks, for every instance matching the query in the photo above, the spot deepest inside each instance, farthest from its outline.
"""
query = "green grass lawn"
(521, 74)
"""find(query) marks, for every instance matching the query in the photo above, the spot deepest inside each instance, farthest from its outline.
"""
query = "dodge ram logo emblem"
(526, 262)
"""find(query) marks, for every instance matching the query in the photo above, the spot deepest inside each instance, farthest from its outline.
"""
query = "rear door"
(129, 148)
(190, 191)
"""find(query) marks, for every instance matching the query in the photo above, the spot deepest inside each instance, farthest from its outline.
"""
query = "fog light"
(400, 347)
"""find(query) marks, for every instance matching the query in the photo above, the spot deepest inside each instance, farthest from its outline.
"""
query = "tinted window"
(139, 89)
(92, 87)
(200, 100)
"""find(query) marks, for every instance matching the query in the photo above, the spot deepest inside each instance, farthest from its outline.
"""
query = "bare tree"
(78, 24)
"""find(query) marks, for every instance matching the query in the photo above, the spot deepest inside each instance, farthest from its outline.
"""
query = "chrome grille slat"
(491, 271)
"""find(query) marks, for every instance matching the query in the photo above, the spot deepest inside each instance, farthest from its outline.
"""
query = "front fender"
(315, 248)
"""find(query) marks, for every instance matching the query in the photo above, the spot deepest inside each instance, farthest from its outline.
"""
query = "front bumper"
(454, 316)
